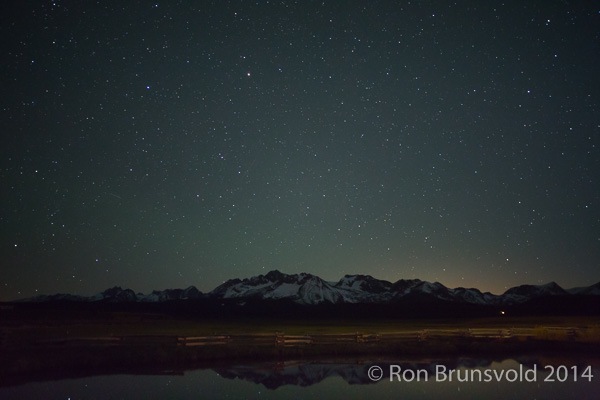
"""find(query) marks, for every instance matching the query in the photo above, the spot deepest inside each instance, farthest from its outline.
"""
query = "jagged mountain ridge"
(117, 295)
(359, 289)
(310, 289)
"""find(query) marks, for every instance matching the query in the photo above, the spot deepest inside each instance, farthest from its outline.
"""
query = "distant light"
(502, 313)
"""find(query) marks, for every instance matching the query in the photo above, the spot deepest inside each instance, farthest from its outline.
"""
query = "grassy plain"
(132, 324)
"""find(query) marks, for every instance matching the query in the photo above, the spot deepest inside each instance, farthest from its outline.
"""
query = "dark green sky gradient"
(154, 145)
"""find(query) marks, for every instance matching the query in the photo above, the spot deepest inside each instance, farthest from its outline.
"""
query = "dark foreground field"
(42, 343)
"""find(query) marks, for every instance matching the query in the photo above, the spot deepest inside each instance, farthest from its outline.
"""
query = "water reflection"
(335, 379)
(354, 372)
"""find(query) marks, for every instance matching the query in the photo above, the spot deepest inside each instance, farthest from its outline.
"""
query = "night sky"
(157, 145)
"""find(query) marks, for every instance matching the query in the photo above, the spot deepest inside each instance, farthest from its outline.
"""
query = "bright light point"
(248, 74)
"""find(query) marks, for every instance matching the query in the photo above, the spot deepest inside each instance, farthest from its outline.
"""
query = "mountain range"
(308, 289)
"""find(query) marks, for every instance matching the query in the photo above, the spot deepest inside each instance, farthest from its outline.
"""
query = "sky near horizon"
(155, 145)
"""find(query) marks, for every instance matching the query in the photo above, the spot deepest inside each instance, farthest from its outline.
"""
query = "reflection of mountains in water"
(303, 373)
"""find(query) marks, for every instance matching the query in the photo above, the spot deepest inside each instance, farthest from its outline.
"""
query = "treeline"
(414, 307)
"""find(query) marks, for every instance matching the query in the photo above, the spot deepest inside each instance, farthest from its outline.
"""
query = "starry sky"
(164, 144)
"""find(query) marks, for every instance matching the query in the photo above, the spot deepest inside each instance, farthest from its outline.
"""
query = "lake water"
(339, 379)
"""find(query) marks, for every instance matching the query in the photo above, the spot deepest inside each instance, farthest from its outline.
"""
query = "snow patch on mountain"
(522, 293)
(593, 290)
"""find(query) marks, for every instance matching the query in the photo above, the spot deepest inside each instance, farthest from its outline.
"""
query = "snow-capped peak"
(301, 288)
